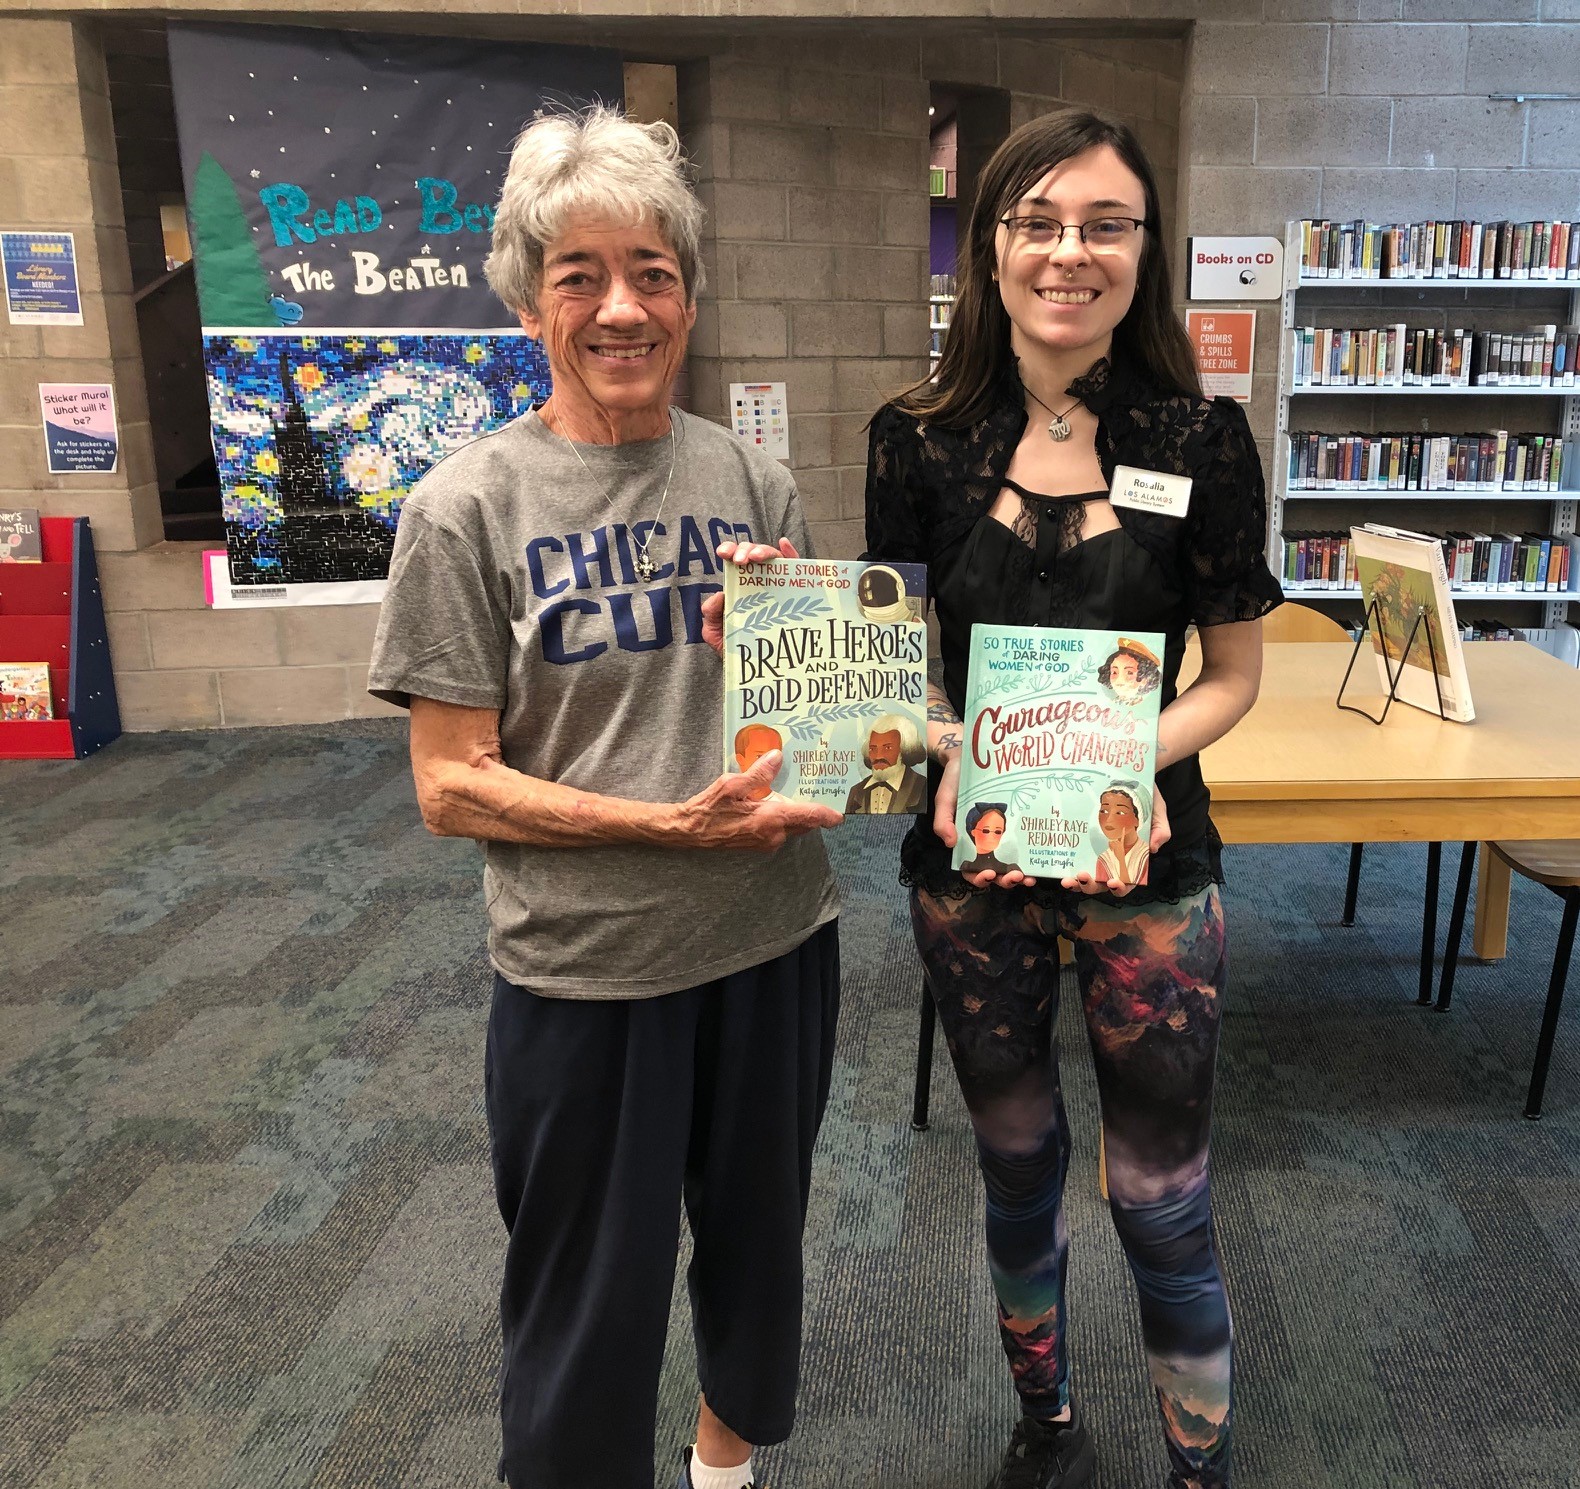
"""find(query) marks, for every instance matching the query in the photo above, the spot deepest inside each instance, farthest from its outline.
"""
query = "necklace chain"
(645, 567)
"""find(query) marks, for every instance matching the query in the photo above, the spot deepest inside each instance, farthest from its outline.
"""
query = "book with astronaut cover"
(825, 660)
(1059, 753)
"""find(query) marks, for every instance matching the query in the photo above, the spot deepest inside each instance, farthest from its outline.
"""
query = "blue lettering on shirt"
(631, 617)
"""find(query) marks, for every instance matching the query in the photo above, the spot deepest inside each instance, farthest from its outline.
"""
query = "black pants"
(602, 1116)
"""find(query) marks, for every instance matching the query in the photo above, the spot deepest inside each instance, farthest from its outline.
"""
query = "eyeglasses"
(1099, 233)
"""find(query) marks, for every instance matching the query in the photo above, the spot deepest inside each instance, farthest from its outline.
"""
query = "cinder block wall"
(1378, 109)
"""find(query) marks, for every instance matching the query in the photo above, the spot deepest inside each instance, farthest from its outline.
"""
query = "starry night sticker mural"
(340, 192)
(319, 438)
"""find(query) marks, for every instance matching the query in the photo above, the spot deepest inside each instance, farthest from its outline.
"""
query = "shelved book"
(1401, 356)
(1403, 577)
(24, 693)
(1475, 562)
(20, 536)
(1457, 249)
(826, 661)
(1495, 461)
(1060, 751)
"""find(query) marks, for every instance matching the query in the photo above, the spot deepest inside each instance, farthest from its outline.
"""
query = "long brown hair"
(976, 351)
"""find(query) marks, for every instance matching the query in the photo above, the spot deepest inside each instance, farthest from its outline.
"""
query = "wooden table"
(1298, 770)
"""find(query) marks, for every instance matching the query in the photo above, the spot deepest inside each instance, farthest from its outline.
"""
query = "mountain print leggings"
(1151, 980)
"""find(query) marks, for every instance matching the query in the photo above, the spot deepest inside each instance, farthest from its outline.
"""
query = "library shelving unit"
(53, 612)
(1435, 301)
(940, 306)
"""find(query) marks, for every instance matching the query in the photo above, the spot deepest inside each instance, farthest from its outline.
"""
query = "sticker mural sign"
(340, 193)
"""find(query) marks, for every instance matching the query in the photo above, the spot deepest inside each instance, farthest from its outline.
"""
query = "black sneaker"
(684, 1482)
(1047, 1455)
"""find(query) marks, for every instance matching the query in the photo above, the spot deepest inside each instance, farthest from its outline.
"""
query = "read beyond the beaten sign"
(340, 192)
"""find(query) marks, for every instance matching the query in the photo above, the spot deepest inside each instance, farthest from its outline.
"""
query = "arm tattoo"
(948, 744)
(939, 711)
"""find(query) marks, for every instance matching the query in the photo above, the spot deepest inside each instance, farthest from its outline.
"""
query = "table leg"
(1434, 863)
(1490, 936)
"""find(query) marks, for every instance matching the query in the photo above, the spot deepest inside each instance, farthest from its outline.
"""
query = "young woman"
(1065, 360)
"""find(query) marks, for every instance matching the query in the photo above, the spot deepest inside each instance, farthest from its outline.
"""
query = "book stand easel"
(1423, 618)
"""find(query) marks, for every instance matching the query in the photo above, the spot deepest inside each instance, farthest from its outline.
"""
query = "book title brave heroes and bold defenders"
(1059, 753)
(826, 661)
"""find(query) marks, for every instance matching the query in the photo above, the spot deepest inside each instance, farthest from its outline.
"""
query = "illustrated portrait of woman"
(985, 824)
(1122, 820)
(1131, 671)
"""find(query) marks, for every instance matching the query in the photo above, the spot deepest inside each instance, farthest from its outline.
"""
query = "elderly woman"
(663, 1011)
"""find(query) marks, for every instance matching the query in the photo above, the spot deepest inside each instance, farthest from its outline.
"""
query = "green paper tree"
(233, 289)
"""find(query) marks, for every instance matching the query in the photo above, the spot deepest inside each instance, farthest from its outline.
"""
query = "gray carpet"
(247, 1241)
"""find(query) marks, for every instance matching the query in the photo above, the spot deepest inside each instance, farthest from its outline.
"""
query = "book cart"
(1473, 303)
(53, 612)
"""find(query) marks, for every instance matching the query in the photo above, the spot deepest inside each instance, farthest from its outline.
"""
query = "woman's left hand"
(742, 554)
(1085, 883)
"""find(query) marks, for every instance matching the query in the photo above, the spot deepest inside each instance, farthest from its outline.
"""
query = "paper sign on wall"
(1234, 268)
(220, 594)
(79, 428)
(761, 418)
(41, 278)
(1225, 345)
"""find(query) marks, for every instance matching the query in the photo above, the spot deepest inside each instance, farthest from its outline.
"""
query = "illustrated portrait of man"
(893, 746)
(752, 742)
(881, 594)
(1131, 671)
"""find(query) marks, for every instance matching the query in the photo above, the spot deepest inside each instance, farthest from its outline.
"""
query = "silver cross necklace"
(645, 567)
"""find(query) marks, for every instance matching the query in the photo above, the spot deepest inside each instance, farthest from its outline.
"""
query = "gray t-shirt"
(513, 586)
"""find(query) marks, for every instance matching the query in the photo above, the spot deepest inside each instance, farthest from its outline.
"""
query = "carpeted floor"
(247, 1239)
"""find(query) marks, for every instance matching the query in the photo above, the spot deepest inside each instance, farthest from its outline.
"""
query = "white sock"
(703, 1477)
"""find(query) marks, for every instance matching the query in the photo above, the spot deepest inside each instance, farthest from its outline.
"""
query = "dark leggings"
(1151, 979)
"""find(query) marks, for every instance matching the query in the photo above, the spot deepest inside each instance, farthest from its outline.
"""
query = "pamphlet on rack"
(1410, 619)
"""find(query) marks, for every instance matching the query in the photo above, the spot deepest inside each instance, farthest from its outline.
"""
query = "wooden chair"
(1556, 865)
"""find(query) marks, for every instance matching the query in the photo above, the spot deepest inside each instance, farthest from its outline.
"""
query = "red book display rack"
(53, 612)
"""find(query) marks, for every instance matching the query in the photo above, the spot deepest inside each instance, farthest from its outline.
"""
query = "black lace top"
(929, 491)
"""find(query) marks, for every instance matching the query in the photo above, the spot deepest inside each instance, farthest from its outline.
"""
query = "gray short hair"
(594, 160)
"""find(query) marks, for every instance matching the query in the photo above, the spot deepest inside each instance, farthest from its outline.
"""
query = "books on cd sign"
(826, 661)
(1403, 574)
(24, 693)
(1060, 751)
(20, 540)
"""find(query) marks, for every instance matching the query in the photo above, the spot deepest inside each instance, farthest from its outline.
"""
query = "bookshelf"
(53, 612)
(940, 308)
(1433, 301)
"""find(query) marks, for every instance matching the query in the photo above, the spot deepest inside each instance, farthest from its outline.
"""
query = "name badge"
(1150, 491)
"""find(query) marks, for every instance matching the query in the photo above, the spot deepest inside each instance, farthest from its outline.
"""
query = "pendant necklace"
(645, 567)
(1059, 427)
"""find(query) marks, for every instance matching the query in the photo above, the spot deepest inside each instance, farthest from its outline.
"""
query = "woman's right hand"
(733, 812)
(946, 798)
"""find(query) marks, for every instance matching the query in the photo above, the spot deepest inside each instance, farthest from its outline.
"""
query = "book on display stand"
(1410, 623)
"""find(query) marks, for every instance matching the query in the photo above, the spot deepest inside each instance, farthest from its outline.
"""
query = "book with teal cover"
(1059, 753)
(826, 660)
